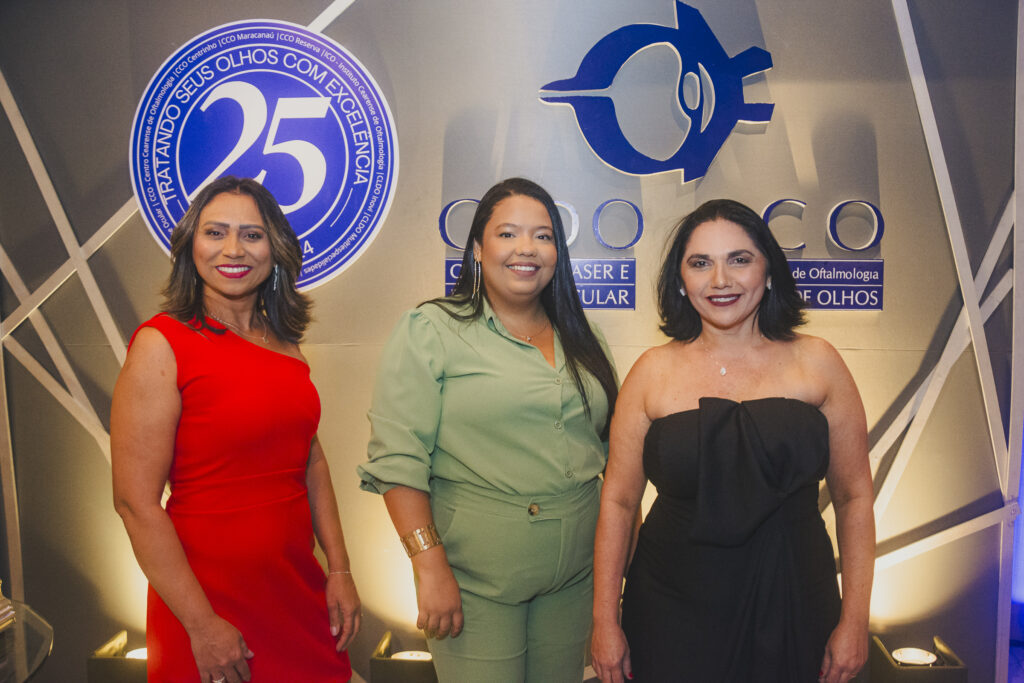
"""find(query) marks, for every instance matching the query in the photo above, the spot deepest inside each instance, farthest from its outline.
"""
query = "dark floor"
(1016, 665)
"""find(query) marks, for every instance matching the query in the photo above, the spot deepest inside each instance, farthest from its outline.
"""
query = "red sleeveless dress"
(240, 507)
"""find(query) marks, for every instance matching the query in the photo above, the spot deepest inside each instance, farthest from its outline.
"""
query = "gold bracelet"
(418, 540)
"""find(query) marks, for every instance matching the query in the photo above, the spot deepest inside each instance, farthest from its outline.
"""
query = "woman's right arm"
(143, 420)
(405, 416)
(437, 596)
(623, 489)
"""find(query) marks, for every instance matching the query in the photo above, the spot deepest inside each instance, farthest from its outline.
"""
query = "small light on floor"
(113, 663)
(914, 656)
(405, 666)
(414, 655)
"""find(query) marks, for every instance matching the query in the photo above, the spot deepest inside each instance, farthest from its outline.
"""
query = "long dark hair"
(560, 300)
(285, 308)
(781, 309)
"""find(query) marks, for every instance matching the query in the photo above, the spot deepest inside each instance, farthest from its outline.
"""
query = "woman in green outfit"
(489, 430)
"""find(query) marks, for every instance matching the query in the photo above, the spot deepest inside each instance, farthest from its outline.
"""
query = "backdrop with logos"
(881, 139)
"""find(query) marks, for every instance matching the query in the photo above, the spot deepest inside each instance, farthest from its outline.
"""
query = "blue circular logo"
(276, 102)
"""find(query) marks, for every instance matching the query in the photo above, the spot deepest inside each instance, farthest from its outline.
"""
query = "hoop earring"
(277, 276)
(476, 280)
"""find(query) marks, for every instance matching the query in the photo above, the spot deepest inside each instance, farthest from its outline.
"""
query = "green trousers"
(524, 566)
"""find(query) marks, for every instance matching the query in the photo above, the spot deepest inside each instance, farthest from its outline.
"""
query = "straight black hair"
(560, 299)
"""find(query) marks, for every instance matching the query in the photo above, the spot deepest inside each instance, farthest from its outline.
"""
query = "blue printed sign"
(284, 105)
(601, 283)
(847, 285)
(605, 282)
(710, 93)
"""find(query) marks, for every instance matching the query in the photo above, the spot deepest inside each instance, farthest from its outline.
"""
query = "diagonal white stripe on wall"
(954, 228)
(75, 254)
(1006, 456)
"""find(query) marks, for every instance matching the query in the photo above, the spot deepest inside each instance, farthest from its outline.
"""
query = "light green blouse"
(470, 403)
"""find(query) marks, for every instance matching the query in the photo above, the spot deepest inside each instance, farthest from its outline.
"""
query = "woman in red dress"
(215, 397)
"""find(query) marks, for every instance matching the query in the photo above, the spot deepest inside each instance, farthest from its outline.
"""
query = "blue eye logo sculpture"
(710, 93)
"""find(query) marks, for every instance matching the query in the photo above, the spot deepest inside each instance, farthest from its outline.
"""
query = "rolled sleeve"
(406, 407)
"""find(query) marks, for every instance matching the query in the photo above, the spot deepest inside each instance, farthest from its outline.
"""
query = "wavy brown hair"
(285, 308)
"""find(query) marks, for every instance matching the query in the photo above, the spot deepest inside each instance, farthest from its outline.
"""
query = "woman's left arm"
(342, 598)
(852, 493)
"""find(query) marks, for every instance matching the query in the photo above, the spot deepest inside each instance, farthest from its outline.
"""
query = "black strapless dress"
(733, 579)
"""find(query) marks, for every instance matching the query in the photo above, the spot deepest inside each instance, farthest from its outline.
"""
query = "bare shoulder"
(146, 400)
(653, 385)
(149, 344)
(650, 364)
(817, 354)
(825, 368)
(815, 346)
(149, 358)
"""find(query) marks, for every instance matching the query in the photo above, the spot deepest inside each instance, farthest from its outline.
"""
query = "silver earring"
(768, 285)
(277, 276)
(476, 279)
(682, 291)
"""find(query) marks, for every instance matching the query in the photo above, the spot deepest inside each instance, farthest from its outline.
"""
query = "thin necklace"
(529, 337)
(721, 370)
(238, 329)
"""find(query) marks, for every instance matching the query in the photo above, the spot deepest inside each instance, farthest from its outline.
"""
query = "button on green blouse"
(470, 403)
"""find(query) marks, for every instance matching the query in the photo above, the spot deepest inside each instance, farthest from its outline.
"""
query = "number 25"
(254, 118)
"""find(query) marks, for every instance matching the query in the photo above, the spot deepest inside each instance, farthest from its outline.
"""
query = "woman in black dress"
(735, 421)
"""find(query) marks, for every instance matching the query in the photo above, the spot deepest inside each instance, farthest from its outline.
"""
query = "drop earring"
(768, 285)
(277, 276)
(476, 280)
(682, 291)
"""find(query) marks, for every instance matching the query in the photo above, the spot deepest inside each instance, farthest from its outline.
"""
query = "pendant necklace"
(238, 329)
(529, 337)
(721, 370)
